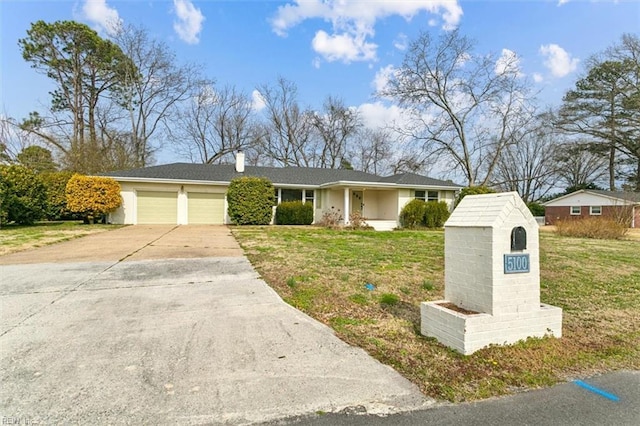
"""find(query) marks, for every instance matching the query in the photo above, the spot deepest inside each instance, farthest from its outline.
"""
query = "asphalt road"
(607, 400)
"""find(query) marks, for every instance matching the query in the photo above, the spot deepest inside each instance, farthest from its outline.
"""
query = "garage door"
(157, 207)
(205, 208)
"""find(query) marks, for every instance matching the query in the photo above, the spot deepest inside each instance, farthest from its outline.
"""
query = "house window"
(420, 195)
(432, 196)
(308, 196)
(595, 210)
(291, 195)
(575, 210)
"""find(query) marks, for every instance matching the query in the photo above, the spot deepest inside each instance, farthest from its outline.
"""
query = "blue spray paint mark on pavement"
(595, 390)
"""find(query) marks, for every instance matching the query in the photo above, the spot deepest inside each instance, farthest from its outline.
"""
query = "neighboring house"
(183, 193)
(594, 203)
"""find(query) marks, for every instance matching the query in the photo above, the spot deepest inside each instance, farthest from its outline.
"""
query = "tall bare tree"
(464, 107)
(527, 165)
(152, 91)
(335, 125)
(371, 151)
(287, 134)
(579, 163)
(216, 123)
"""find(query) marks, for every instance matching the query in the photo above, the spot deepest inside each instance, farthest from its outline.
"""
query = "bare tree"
(463, 107)
(215, 124)
(527, 165)
(579, 164)
(13, 140)
(371, 151)
(287, 137)
(151, 94)
(335, 124)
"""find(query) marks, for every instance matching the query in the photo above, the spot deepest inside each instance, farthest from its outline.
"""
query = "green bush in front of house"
(420, 214)
(435, 214)
(250, 201)
(294, 213)
(412, 214)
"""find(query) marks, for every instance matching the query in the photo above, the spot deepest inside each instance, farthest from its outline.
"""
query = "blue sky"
(328, 47)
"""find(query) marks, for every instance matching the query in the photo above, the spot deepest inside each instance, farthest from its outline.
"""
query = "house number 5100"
(516, 263)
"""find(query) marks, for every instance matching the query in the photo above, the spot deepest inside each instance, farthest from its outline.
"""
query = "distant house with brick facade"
(594, 203)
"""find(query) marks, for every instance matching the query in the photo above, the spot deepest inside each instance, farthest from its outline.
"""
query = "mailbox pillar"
(492, 268)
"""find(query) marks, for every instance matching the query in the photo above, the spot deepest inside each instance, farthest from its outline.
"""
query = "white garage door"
(156, 207)
(205, 208)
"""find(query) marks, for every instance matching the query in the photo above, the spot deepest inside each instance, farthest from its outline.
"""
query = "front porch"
(378, 208)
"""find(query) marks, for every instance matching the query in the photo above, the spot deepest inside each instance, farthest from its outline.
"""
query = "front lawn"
(15, 238)
(368, 287)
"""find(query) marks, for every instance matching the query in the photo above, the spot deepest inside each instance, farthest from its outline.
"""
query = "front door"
(357, 202)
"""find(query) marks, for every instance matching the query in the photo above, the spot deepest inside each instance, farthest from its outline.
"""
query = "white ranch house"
(182, 193)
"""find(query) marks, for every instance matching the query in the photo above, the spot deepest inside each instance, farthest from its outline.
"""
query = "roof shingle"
(277, 175)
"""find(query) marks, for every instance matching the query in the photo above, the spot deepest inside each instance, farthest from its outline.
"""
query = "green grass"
(15, 238)
(596, 282)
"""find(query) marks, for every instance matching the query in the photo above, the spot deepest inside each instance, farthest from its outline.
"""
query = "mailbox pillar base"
(467, 333)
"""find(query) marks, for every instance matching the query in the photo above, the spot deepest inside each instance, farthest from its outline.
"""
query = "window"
(308, 196)
(595, 210)
(432, 196)
(291, 195)
(420, 195)
(575, 210)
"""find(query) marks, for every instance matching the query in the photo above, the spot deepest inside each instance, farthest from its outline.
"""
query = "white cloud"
(353, 22)
(537, 77)
(561, 2)
(189, 21)
(345, 47)
(508, 63)
(376, 115)
(401, 42)
(104, 17)
(558, 60)
(382, 78)
(257, 101)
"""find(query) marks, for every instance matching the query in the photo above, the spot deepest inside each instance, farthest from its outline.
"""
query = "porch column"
(347, 206)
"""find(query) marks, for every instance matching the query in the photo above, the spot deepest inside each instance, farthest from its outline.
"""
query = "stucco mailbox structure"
(492, 277)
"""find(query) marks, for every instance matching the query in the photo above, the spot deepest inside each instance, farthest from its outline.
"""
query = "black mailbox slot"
(518, 238)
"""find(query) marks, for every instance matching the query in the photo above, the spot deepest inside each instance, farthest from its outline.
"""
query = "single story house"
(594, 203)
(184, 193)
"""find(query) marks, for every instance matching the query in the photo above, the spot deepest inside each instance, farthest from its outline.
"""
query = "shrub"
(412, 214)
(600, 228)
(56, 185)
(294, 213)
(331, 218)
(357, 221)
(473, 190)
(92, 196)
(250, 201)
(436, 214)
(536, 209)
(22, 195)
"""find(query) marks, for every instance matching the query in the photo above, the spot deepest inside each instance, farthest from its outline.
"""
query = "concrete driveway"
(166, 324)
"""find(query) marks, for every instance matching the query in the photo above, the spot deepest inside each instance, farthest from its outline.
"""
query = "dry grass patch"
(600, 228)
(343, 279)
(14, 238)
